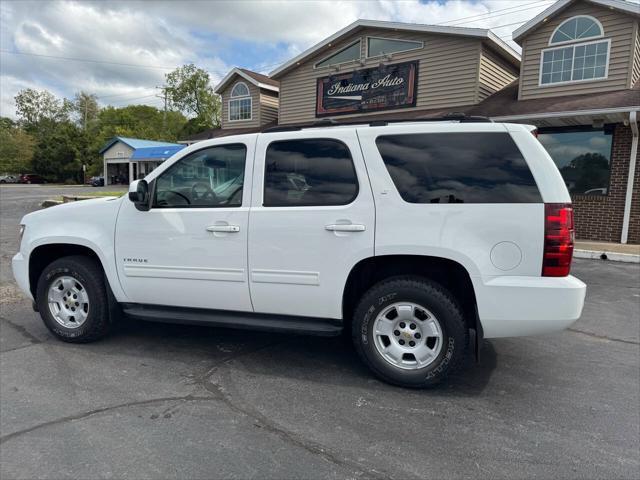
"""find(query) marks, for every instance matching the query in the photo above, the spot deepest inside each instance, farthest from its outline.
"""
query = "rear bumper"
(20, 267)
(519, 306)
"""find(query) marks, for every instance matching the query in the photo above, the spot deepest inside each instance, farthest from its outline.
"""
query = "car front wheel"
(72, 299)
(410, 331)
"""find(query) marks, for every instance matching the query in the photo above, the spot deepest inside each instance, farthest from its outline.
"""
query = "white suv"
(419, 238)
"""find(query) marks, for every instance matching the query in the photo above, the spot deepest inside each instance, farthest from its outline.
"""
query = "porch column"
(633, 123)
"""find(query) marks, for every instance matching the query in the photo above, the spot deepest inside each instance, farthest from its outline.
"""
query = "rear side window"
(458, 168)
(309, 172)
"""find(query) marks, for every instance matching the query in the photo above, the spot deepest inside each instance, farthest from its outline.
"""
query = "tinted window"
(458, 168)
(211, 177)
(583, 156)
(309, 172)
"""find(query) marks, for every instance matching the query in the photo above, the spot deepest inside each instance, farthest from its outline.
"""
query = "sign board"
(371, 89)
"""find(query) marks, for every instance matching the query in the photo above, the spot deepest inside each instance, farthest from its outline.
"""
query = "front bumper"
(20, 267)
(519, 306)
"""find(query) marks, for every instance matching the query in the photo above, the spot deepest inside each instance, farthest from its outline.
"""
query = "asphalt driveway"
(167, 401)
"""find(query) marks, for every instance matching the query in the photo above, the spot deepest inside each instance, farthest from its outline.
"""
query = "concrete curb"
(604, 255)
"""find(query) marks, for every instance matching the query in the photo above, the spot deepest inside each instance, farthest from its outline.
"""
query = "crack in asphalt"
(23, 331)
(83, 415)
(603, 337)
(270, 426)
(218, 394)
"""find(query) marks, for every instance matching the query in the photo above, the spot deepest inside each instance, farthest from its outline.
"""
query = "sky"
(120, 51)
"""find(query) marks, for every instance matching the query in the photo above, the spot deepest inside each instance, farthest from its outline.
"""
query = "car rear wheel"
(410, 331)
(72, 299)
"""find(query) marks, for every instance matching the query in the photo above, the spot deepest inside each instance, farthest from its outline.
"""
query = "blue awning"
(158, 154)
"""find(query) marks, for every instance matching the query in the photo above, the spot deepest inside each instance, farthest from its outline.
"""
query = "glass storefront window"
(583, 157)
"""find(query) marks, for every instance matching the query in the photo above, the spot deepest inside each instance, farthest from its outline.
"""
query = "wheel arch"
(451, 274)
(43, 255)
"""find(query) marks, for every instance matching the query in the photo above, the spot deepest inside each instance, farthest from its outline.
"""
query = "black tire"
(89, 273)
(433, 297)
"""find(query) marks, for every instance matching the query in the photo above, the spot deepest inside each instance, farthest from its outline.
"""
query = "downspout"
(633, 123)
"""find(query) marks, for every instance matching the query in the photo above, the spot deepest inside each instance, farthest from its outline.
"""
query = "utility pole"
(164, 113)
(86, 111)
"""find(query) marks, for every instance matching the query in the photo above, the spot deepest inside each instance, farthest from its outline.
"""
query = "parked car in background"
(96, 182)
(31, 178)
(8, 179)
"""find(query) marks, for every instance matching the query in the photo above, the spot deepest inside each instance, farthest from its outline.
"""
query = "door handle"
(223, 228)
(349, 227)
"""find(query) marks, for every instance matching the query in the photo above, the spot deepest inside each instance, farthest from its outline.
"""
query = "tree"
(16, 148)
(85, 105)
(188, 89)
(57, 156)
(36, 107)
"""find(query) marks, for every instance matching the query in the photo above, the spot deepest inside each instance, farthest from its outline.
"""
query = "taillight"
(558, 239)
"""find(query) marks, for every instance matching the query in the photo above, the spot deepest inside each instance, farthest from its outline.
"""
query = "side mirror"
(139, 194)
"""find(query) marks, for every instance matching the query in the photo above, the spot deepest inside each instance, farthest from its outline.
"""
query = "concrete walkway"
(616, 252)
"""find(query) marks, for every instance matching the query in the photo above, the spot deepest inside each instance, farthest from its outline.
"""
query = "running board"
(243, 320)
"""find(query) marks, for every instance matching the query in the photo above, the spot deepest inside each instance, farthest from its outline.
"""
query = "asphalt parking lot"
(167, 401)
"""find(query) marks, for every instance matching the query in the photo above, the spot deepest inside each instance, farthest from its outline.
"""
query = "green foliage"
(189, 90)
(58, 154)
(16, 148)
(85, 107)
(35, 108)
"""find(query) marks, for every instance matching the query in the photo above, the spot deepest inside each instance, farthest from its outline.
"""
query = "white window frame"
(359, 40)
(574, 45)
(564, 42)
(242, 97)
(366, 46)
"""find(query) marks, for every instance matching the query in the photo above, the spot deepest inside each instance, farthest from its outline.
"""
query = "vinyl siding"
(447, 73)
(268, 107)
(112, 153)
(617, 26)
(635, 69)
(255, 107)
(495, 73)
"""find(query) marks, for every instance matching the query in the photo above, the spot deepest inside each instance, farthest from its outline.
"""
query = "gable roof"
(621, 5)
(134, 143)
(481, 33)
(257, 79)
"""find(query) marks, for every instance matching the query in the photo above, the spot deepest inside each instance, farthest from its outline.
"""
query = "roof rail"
(328, 122)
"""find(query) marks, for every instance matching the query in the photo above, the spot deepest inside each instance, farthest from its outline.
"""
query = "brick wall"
(599, 218)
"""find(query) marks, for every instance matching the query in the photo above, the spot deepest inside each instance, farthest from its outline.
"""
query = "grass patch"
(93, 194)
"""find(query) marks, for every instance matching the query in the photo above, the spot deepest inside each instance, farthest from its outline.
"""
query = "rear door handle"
(349, 227)
(223, 228)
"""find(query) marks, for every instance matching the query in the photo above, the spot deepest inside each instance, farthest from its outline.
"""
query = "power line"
(87, 60)
(518, 8)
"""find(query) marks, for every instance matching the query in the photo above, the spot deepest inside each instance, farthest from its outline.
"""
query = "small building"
(126, 159)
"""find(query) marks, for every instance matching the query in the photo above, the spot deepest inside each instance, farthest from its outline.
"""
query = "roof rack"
(328, 122)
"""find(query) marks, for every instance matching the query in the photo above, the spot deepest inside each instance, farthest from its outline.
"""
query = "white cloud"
(171, 33)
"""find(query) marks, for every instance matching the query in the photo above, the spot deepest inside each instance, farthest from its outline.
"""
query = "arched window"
(240, 103)
(240, 90)
(577, 28)
(582, 56)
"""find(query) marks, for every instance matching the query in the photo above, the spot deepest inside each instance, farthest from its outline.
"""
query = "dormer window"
(240, 103)
(576, 60)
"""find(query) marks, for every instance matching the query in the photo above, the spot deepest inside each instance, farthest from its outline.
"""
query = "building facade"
(578, 80)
